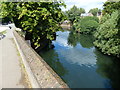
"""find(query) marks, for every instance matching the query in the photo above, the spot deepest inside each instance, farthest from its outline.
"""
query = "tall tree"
(94, 11)
(82, 10)
(108, 35)
(110, 7)
(74, 12)
(40, 20)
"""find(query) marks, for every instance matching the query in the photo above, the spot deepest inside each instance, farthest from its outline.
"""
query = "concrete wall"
(45, 76)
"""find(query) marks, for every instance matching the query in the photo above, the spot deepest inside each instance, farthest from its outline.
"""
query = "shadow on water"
(80, 64)
(52, 58)
(108, 67)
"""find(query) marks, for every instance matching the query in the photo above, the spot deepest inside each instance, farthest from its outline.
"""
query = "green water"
(80, 64)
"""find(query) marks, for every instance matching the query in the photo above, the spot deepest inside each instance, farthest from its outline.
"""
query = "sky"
(86, 4)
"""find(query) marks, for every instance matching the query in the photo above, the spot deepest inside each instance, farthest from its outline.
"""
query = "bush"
(108, 35)
(87, 24)
(91, 18)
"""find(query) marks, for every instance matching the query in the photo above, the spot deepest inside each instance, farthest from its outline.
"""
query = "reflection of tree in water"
(73, 38)
(51, 57)
(85, 40)
(109, 67)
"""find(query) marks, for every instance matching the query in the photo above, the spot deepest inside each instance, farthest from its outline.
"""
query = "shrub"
(108, 35)
(87, 24)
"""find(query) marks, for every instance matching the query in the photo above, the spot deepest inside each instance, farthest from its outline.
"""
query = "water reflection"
(109, 68)
(80, 64)
(85, 40)
(73, 39)
(73, 54)
(51, 57)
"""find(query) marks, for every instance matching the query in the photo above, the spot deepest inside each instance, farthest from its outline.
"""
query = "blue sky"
(86, 4)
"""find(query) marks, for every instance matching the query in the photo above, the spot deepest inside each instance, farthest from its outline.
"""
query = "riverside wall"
(42, 72)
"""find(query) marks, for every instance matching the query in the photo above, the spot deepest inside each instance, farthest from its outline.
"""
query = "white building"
(86, 14)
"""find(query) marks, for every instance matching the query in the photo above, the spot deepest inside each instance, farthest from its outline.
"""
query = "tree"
(94, 11)
(40, 20)
(108, 35)
(110, 7)
(4, 17)
(74, 12)
(82, 10)
(87, 24)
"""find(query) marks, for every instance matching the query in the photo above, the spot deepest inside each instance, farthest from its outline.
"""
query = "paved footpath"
(12, 75)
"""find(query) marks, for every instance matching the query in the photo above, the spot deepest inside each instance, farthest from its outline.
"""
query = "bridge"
(21, 66)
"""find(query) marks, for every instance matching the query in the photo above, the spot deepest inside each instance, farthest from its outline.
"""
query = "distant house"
(65, 24)
(86, 14)
(83, 14)
(90, 14)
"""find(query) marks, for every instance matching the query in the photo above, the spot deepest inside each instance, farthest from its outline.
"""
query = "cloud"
(86, 4)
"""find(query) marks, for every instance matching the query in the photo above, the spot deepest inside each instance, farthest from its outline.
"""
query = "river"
(80, 64)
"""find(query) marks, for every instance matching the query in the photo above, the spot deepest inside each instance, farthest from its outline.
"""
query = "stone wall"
(43, 73)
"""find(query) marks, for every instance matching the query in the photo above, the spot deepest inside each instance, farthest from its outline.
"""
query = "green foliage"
(4, 16)
(108, 34)
(40, 20)
(110, 7)
(74, 12)
(82, 10)
(86, 24)
(91, 18)
(6, 20)
(94, 11)
(104, 18)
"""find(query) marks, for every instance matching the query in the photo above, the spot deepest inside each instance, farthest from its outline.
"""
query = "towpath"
(12, 73)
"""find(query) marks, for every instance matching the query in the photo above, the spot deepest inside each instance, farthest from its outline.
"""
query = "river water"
(80, 64)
